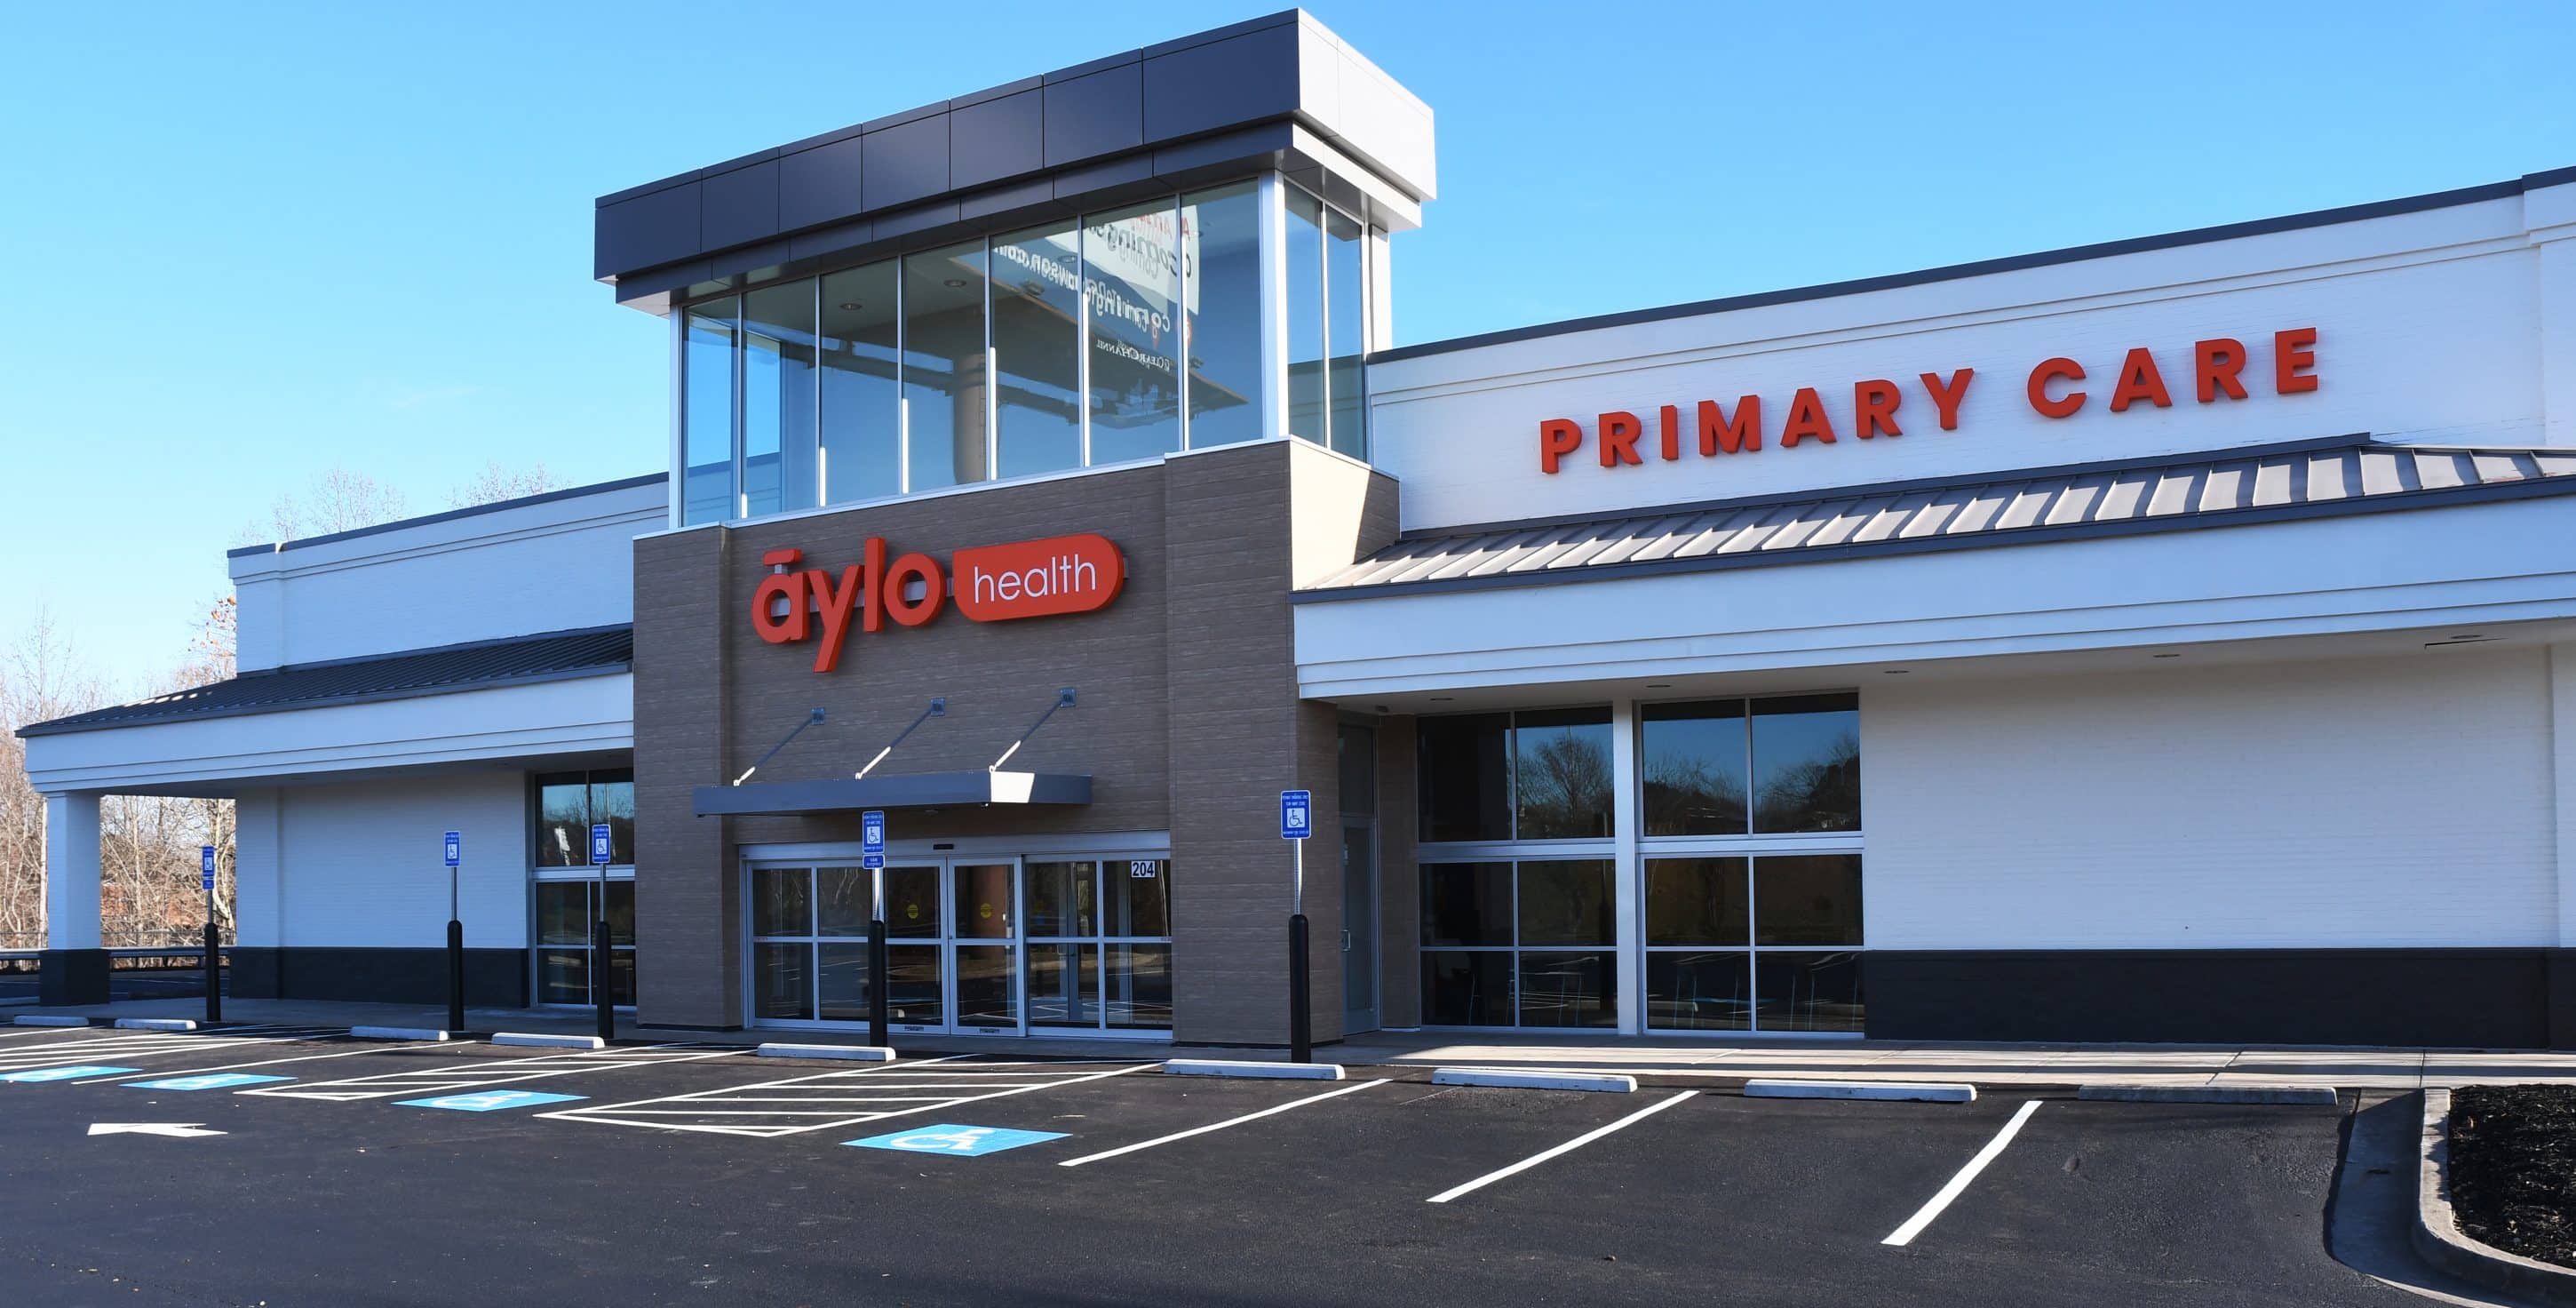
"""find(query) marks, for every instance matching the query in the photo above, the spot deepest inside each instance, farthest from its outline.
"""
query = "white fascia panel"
(2497, 562)
(499, 723)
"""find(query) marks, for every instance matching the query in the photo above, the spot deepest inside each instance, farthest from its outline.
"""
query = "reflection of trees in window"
(1564, 781)
(1692, 796)
(1815, 794)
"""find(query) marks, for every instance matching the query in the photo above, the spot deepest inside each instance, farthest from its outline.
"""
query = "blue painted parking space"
(489, 1101)
(212, 1081)
(62, 1073)
(960, 1141)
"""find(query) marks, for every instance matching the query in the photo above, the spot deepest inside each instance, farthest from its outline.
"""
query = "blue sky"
(249, 242)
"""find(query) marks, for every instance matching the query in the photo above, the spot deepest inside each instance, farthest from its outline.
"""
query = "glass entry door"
(1359, 926)
(952, 936)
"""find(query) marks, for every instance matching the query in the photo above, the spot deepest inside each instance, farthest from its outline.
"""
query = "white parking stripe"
(1219, 1126)
(870, 1082)
(479, 1072)
(267, 1062)
(1904, 1235)
(146, 1044)
(1568, 1147)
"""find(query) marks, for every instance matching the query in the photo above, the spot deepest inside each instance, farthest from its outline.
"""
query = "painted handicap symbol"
(949, 1138)
(488, 1101)
(63, 1073)
(214, 1081)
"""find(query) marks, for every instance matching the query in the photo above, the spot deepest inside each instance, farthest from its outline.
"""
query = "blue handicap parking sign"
(206, 866)
(1296, 814)
(872, 832)
(599, 843)
(452, 848)
(214, 1081)
(946, 1138)
(63, 1073)
(487, 1101)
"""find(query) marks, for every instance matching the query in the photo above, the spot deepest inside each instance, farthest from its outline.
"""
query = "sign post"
(872, 832)
(452, 852)
(600, 953)
(1296, 823)
(214, 945)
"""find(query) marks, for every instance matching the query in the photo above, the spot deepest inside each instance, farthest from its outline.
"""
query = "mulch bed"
(2513, 1168)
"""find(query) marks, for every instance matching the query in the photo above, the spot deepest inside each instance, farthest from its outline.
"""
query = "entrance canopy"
(919, 790)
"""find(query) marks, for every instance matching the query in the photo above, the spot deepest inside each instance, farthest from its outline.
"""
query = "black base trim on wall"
(73, 976)
(2445, 998)
(494, 978)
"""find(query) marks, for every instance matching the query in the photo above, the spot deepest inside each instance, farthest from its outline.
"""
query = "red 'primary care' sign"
(991, 583)
(2051, 389)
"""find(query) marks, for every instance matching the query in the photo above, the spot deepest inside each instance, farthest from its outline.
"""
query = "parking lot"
(351, 1172)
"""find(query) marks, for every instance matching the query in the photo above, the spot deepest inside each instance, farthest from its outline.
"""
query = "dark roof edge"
(524, 638)
(523, 501)
(2421, 499)
(1984, 267)
(2000, 476)
(73, 724)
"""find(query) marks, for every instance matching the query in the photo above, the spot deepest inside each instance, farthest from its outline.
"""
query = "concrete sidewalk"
(1663, 1057)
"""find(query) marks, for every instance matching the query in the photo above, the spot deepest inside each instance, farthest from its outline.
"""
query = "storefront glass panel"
(1561, 774)
(1467, 987)
(781, 986)
(707, 404)
(1699, 990)
(1696, 901)
(1064, 984)
(778, 399)
(1346, 332)
(1137, 898)
(1809, 990)
(1304, 235)
(1806, 764)
(915, 993)
(1566, 903)
(1139, 987)
(861, 413)
(782, 902)
(1131, 266)
(943, 367)
(1569, 989)
(1692, 762)
(1465, 783)
(1700, 976)
(843, 899)
(841, 971)
(1811, 899)
(1222, 314)
(1037, 351)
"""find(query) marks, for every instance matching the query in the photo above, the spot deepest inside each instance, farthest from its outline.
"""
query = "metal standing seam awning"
(918, 790)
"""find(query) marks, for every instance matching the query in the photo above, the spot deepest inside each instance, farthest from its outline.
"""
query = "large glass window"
(1100, 951)
(1131, 265)
(862, 414)
(706, 424)
(1221, 249)
(943, 366)
(1768, 942)
(1111, 338)
(1345, 332)
(1781, 765)
(1533, 775)
(569, 803)
(1037, 351)
(1531, 943)
(778, 399)
(567, 893)
(565, 910)
(1304, 235)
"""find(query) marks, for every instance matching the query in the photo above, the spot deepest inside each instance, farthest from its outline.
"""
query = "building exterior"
(2166, 640)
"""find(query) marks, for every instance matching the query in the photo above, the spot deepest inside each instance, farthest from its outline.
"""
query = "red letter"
(2214, 365)
(1806, 418)
(2050, 371)
(2139, 380)
(872, 571)
(1670, 432)
(1557, 437)
(1619, 431)
(911, 612)
(774, 626)
(1946, 398)
(836, 611)
(1744, 432)
(2290, 353)
(1874, 408)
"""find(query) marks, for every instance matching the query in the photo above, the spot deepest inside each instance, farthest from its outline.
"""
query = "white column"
(2549, 215)
(1273, 227)
(1626, 819)
(71, 871)
(2562, 746)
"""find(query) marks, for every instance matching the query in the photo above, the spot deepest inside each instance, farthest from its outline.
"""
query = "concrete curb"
(1937, 1092)
(396, 1033)
(850, 1053)
(2438, 1239)
(155, 1024)
(1276, 1071)
(37, 1019)
(2209, 1094)
(1522, 1078)
(543, 1041)
(14, 1001)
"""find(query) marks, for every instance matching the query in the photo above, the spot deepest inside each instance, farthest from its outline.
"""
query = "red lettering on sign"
(1874, 408)
(1618, 438)
(1557, 437)
(1806, 418)
(1668, 432)
(2139, 380)
(1743, 432)
(2290, 353)
(901, 603)
(994, 583)
(1946, 396)
(2214, 365)
(2050, 371)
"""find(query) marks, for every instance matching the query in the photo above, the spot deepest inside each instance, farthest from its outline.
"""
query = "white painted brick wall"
(2377, 802)
(360, 861)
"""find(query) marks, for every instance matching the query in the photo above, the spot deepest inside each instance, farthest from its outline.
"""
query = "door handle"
(1346, 940)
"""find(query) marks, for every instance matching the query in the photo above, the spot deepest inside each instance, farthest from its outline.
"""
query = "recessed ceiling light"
(954, 283)
(2471, 635)
(1442, 699)
(1659, 685)
(2168, 656)
(1897, 672)
(849, 304)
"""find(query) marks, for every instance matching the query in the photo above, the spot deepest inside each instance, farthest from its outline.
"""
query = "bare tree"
(40, 679)
(496, 483)
(338, 500)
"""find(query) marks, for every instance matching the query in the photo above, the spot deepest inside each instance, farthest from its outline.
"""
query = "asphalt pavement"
(431, 1174)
